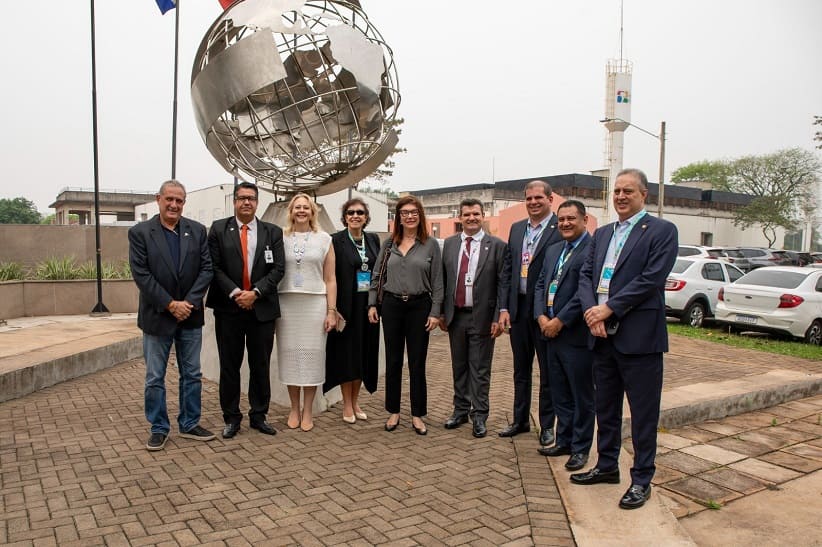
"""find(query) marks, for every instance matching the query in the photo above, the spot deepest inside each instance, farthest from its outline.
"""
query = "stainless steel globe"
(296, 95)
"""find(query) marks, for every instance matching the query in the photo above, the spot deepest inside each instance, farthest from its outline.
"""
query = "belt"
(407, 297)
(463, 310)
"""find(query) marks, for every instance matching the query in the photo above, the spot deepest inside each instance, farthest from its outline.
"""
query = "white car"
(693, 285)
(776, 299)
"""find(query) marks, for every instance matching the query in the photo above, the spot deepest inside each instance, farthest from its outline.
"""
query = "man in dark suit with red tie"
(527, 242)
(248, 260)
(622, 290)
(559, 315)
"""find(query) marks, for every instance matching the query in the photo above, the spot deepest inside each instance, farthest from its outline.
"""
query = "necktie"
(244, 244)
(459, 297)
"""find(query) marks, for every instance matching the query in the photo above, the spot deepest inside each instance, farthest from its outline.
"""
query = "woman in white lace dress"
(308, 293)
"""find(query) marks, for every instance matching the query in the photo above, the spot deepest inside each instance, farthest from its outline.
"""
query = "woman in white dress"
(308, 294)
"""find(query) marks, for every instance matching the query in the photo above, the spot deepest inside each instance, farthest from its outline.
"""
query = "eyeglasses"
(410, 213)
(250, 199)
(358, 212)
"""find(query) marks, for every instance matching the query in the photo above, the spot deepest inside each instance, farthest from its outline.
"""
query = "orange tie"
(244, 244)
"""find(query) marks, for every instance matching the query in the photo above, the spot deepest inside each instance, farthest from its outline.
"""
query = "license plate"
(747, 319)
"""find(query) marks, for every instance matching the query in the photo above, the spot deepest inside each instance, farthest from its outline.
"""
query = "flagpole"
(174, 109)
(99, 308)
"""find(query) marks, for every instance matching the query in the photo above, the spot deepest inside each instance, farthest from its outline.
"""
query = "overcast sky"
(516, 85)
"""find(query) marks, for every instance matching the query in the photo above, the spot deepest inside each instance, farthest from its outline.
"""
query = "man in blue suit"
(171, 266)
(527, 242)
(559, 314)
(622, 290)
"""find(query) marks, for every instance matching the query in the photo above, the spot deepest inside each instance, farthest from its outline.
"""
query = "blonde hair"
(312, 222)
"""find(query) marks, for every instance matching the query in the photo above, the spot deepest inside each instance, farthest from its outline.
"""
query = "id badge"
(469, 281)
(526, 259)
(298, 279)
(605, 280)
(363, 281)
(269, 256)
(552, 291)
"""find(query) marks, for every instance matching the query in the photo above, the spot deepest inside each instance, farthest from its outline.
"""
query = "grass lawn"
(761, 342)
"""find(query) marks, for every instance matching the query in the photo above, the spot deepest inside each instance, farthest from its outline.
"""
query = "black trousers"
(572, 391)
(237, 332)
(471, 353)
(403, 325)
(639, 377)
(525, 341)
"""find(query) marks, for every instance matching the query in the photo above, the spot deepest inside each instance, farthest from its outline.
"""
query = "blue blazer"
(637, 289)
(567, 305)
(510, 270)
(160, 281)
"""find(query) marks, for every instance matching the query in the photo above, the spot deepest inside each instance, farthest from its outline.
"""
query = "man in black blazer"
(171, 266)
(472, 265)
(249, 261)
(559, 315)
(527, 242)
(622, 290)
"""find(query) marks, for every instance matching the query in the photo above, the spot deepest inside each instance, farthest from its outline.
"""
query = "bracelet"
(332, 309)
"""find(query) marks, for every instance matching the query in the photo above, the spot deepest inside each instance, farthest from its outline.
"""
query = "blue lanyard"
(529, 241)
(621, 242)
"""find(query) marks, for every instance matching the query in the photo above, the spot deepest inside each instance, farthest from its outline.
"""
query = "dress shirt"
(473, 258)
(251, 237)
(622, 229)
(529, 244)
(418, 272)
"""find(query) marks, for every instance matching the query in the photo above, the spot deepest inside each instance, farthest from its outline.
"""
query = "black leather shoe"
(635, 497)
(596, 476)
(455, 421)
(230, 431)
(546, 436)
(556, 450)
(576, 461)
(479, 428)
(264, 427)
(515, 429)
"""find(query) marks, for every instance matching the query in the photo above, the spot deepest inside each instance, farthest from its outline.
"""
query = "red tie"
(244, 244)
(459, 297)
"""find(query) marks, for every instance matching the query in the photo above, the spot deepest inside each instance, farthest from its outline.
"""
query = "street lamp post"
(661, 139)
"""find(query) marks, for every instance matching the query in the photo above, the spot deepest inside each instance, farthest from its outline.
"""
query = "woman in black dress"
(351, 357)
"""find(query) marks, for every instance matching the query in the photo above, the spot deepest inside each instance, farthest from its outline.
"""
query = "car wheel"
(814, 333)
(695, 314)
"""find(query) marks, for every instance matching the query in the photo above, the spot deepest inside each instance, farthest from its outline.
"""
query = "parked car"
(693, 285)
(798, 258)
(735, 257)
(779, 299)
(759, 257)
(817, 258)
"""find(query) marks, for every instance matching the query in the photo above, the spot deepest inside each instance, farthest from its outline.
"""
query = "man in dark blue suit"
(171, 266)
(527, 242)
(559, 314)
(622, 290)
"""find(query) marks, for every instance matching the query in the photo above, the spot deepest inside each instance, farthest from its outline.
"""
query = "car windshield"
(768, 277)
(681, 265)
(734, 253)
(716, 253)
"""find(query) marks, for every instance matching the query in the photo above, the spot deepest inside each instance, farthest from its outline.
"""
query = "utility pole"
(661, 195)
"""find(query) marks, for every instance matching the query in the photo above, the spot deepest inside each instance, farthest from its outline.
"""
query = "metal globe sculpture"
(296, 95)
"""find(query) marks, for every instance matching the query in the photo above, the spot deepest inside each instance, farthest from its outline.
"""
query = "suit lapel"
(636, 233)
(185, 240)
(602, 247)
(262, 241)
(159, 238)
(577, 255)
(485, 246)
(547, 232)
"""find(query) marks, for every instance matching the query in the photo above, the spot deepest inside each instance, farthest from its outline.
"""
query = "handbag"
(381, 282)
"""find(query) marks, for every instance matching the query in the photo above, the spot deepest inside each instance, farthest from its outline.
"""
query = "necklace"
(299, 252)
(360, 250)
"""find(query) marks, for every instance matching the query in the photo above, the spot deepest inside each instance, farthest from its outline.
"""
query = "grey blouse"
(418, 272)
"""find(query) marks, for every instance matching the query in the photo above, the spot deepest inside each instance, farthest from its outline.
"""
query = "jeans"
(187, 344)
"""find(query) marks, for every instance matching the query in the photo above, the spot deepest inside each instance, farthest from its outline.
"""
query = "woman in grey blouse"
(411, 303)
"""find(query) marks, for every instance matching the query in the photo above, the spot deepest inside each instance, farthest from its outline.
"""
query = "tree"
(18, 211)
(817, 120)
(782, 186)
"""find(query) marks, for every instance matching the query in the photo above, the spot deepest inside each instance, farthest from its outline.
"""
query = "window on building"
(707, 238)
(435, 229)
(457, 227)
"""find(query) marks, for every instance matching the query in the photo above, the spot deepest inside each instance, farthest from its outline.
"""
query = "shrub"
(10, 271)
(57, 269)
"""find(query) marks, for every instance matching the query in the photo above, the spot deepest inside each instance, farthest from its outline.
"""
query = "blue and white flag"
(166, 5)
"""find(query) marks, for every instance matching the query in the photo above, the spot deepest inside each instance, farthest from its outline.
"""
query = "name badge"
(605, 279)
(552, 291)
(298, 279)
(269, 256)
(526, 259)
(469, 280)
(363, 281)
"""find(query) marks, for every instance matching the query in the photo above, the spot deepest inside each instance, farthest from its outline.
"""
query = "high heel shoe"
(350, 419)
(419, 430)
(391, 427)
(360, 415)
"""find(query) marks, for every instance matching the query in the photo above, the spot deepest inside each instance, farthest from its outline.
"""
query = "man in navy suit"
(622, 290)
(249, 261)
(559, 315)
(171, 266)
(527, 242)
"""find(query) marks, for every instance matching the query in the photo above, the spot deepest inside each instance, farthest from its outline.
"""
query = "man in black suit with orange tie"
(622, 291)
(559, 315)
(248, 260)
(527, 242)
